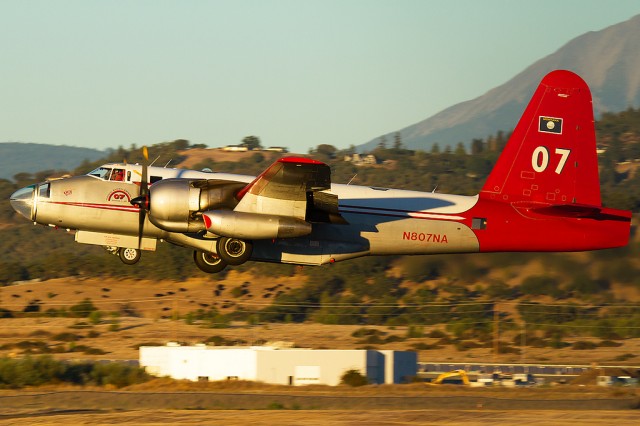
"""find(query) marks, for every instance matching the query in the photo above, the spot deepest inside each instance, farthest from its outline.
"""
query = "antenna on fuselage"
(434, 189)
(354, 176)
(154, 160)
(165, 166)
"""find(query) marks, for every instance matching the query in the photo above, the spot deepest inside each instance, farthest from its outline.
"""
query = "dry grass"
(156, 303)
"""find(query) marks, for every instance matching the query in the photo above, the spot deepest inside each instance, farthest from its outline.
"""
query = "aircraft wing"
(286, 188)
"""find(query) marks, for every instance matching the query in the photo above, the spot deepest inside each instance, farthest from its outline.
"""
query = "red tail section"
(544, 192)
(551, 157)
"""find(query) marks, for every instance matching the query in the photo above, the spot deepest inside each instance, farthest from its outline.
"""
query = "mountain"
(608, 60)
(32, 158)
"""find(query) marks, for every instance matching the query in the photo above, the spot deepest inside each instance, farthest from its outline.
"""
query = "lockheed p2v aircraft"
(542, 195)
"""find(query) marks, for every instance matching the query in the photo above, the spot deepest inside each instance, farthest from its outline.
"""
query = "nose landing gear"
(128, 256)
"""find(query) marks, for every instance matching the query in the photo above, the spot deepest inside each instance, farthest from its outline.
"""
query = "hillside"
(32, 158)
(608, 60)
(131, 313)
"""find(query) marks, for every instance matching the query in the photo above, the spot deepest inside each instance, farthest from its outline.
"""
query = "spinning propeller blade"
(142, 201)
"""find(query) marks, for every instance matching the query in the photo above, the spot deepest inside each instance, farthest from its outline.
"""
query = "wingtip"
(303, 160)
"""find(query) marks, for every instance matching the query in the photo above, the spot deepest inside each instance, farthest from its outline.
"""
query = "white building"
(278, 366)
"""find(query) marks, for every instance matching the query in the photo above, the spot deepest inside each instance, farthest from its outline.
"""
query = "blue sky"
(298, 73)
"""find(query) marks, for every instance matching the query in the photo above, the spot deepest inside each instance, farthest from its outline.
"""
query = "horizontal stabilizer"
(576, 211)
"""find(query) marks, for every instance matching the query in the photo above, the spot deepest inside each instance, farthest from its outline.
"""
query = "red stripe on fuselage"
(132, 209)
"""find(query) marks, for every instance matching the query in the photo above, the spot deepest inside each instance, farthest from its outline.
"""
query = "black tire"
(129, 256)
(208, 262)
(234, 251)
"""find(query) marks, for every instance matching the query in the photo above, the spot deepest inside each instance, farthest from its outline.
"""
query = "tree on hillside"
(382, 144)
(251, 142)
(325, 151)
(477, 146)
(397, 141)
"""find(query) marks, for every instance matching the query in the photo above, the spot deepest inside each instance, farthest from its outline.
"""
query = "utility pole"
(523, 341)
(496, 332)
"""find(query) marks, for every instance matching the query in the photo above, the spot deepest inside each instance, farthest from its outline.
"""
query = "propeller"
(142, 201)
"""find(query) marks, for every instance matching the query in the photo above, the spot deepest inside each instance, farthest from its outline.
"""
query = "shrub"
(65, 337)
(353, 378)
(93, 351)
(539, 285)
(82, 309)
(95, 317)
(415, 332)
(117, 374)
(394, 338)
(465, 345)
(437, 334)
(29, 371)
(583, 345)
(362, 332)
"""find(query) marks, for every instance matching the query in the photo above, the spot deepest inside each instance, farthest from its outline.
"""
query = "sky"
(295, 73)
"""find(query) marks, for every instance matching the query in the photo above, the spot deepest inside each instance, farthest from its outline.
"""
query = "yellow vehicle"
(453, 373)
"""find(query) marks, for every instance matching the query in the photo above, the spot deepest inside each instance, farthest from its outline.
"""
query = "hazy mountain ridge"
(608, 60)
(17, 157)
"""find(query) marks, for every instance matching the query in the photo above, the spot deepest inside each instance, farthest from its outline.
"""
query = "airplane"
(543, 195)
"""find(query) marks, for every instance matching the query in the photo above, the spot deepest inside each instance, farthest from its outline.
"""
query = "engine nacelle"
(173, 203)
(254, 226)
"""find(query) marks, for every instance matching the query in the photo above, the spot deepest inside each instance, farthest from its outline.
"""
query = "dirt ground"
(383, 405)
(328, 417)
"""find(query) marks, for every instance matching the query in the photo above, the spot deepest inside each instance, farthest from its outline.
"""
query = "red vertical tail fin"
(551, 155)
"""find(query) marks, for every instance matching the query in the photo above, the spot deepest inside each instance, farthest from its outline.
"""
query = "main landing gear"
(233, 250)
(128, 256)
(230, 251)
(208, 262)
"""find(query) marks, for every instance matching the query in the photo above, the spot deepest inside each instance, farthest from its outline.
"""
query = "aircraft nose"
(22, 201)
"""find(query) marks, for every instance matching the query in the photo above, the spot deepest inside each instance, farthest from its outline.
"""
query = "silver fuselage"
(380, 221)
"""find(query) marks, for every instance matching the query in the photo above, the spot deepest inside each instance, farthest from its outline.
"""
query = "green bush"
(364, 331)
(117, 374)
(18, 373)
(415, 332)
(353, 378)
(582, 345)
(82, 309)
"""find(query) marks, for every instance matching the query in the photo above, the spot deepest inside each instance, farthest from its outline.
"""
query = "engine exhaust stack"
(254, 226)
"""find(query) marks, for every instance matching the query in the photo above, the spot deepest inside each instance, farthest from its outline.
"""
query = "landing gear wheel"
(234, 251)
(129, 256)
(208, 262)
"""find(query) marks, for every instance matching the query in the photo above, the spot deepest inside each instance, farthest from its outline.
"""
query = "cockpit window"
(101, 173)
(44, 191)
(117, 174)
